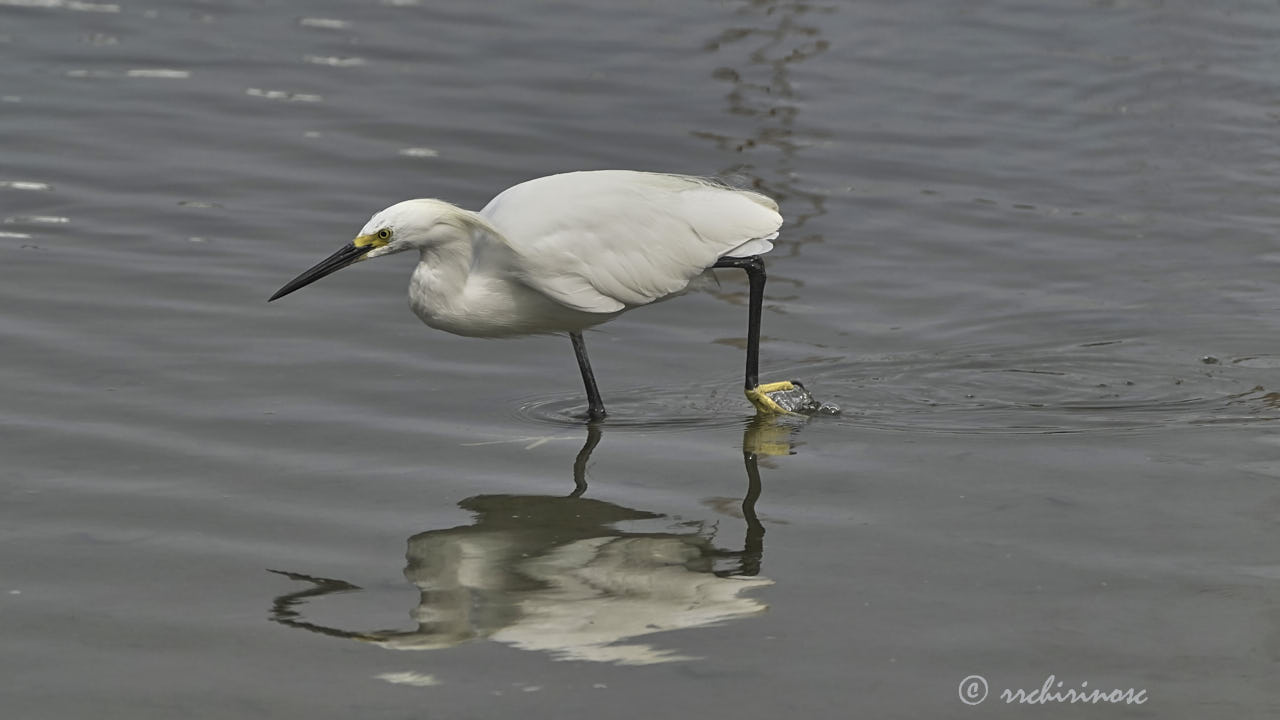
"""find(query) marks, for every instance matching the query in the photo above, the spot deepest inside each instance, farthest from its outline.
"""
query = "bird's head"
(409, 225)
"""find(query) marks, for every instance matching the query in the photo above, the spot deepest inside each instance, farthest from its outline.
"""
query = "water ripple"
(64, 5)
(1090, 387)
(24, 185)
(334, 61)
(36, 220)
(324, 23)
(1080, 388)
(664, 408)
(284, 95)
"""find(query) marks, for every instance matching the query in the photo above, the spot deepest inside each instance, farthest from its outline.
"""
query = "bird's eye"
(384, 234)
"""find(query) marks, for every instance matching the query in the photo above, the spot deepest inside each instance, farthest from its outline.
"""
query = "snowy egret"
(565, 252)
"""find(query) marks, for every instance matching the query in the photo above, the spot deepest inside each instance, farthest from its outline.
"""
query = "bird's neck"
(449, 279)
(445, 266)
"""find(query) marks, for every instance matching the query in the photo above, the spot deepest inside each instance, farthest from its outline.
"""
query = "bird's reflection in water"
(555, 574)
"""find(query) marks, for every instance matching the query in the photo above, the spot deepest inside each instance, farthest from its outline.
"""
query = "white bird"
(566, 252)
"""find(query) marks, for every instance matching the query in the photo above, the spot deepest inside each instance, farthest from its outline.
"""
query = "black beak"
(332, 264)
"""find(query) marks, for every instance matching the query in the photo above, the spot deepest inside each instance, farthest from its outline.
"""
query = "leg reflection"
(584, 456)
(753, 545)
(765, 435)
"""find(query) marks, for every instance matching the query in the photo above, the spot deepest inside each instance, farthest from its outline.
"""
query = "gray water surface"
(1029, 250)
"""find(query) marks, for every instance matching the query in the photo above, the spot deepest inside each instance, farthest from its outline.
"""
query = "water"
(1029, 251)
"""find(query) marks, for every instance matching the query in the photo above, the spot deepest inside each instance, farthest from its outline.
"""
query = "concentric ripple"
(1104, 386)
(667, 408)
(1081, 388)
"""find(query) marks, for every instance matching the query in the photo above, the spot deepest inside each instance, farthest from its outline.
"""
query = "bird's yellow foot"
(788, 396)
(760, 396)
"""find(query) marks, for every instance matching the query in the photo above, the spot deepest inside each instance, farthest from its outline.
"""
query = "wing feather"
(602, 241)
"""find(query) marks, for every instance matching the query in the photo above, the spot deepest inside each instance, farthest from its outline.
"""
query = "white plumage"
(566, 252)
(569, 251)
(609, 240)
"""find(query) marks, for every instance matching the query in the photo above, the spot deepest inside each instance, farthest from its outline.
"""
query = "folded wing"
(605, 240)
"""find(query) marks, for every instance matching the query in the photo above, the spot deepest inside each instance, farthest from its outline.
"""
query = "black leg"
(595, 406)
(754, 266)
(584, 456)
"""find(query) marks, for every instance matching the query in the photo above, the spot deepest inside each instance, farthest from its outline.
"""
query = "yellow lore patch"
(375, 240)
